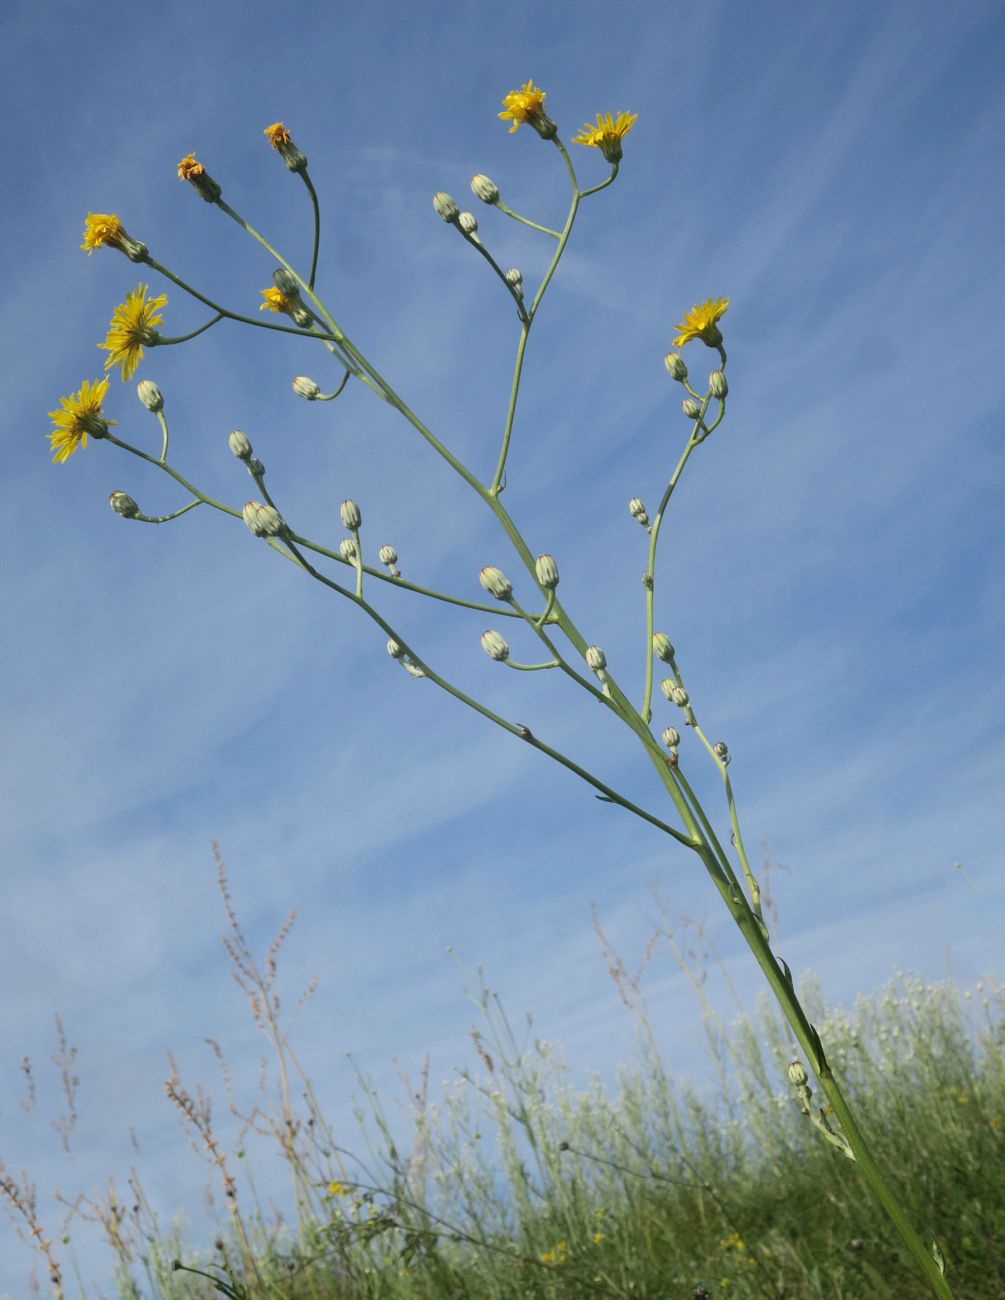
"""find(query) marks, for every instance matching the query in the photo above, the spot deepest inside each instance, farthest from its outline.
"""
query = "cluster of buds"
(389, 559)
(398, 654)
(637, 510)
(675, 693)
(495, 582)
(495, 646)
(800, 1081)
(347, 549)
(289, 288)
(263, 520)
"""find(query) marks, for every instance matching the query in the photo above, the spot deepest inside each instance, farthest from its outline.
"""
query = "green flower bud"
(674, 693)
(467, 224)
(347, 549)
(675, 367)
(413, 670)
(717, 385)
(662, 646)
(495, 582)
(394, 650)
(797, 1075)
(691, 408)
(150, 395)
(595, 658)
(300, 315)
(350, 515)
(485, 189)
(240, 445)
(388, 555)
(123, 504)
(446, 207)
(721, 751)
(255, 468)
(547, 571)
(264, 521)
(286, 282)
(495, 646)
(306, 388)
(671, 737)
(514, 278)
(637, 510)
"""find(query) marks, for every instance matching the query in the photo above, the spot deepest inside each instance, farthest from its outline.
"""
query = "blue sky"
(831, 573)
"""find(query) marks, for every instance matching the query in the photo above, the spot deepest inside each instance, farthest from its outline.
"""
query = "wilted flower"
(104, 228)
(199, 178)
(282, 142)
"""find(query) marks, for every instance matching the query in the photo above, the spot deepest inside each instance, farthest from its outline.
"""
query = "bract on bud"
(388, 555)
(717, 385)
(394, 650)
(662, 647)
(691, 408)
(347, 549)
(596, 660)
(495, 646)
(797, 1074)
(350, 515)
(264, 521)
(547, 571)
(485, 189)
(495, 582)
(306, 388)
(675, 367)
(150, 395)
(286, 282)
(671, 737)
(123, 504)
(514, 278)
(239, 444)
(255, 467)
(300, 315)
(446, 207)
(468, 225)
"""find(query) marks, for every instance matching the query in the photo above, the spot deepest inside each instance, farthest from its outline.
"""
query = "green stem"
(603, 184)
(163, 519)
(193, 334)
(530, 668)
(525, 221)
(317, 225)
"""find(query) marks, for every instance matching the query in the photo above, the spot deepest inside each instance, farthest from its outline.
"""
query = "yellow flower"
(189, 168)
(598, 1237)
(527, 105)
(274, 301)
(78, 415)
(278, 135)
(131, 329)
(607, 134)
(701, 323)
(101, 228)
(336, 1189)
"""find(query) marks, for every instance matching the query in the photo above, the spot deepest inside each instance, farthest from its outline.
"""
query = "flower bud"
(240, 445)
(675, 367)
(388, 555)
(255, 468)
(495, 646)
(691, 408)
(721, 750)
(446, 207)
(662, 647)
(637, 510)
(596, 660)
(280, 139)
(413, 670)
(394, 650)
(347, 549)
(717, 385)
(797, 1075)
(350, 515)
(495, 582)
(306, 388)
(150, 395)
(300, 315)
(468, 225)
(514, 279)
(199, 178)
(485, 189)
(123, 504)
(264, 521)
(286, 282)
(547, 571)
(671, 737)
(674, 693)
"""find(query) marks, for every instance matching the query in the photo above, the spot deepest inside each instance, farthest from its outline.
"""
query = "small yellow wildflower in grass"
(607, 134)
(337, 1189)
(559, 1255)
(701, 322)
(598, 1237)
(101, 228)
(78, 415)
(274, 301)
(526, 105)
(131, 329)
(278, 135)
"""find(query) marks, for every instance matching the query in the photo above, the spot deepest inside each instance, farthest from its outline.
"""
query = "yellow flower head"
(278, 135)
(337, 1189)
(527, 105)
(189, 168)
(132, 329)
(78, 415)
(101, 228)
(607, 134)
(701, 322)
(275, 301)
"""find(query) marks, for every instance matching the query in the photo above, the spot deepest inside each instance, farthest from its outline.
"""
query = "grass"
(515, 1184)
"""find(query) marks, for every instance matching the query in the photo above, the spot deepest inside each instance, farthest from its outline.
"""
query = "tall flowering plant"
(346, 570)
